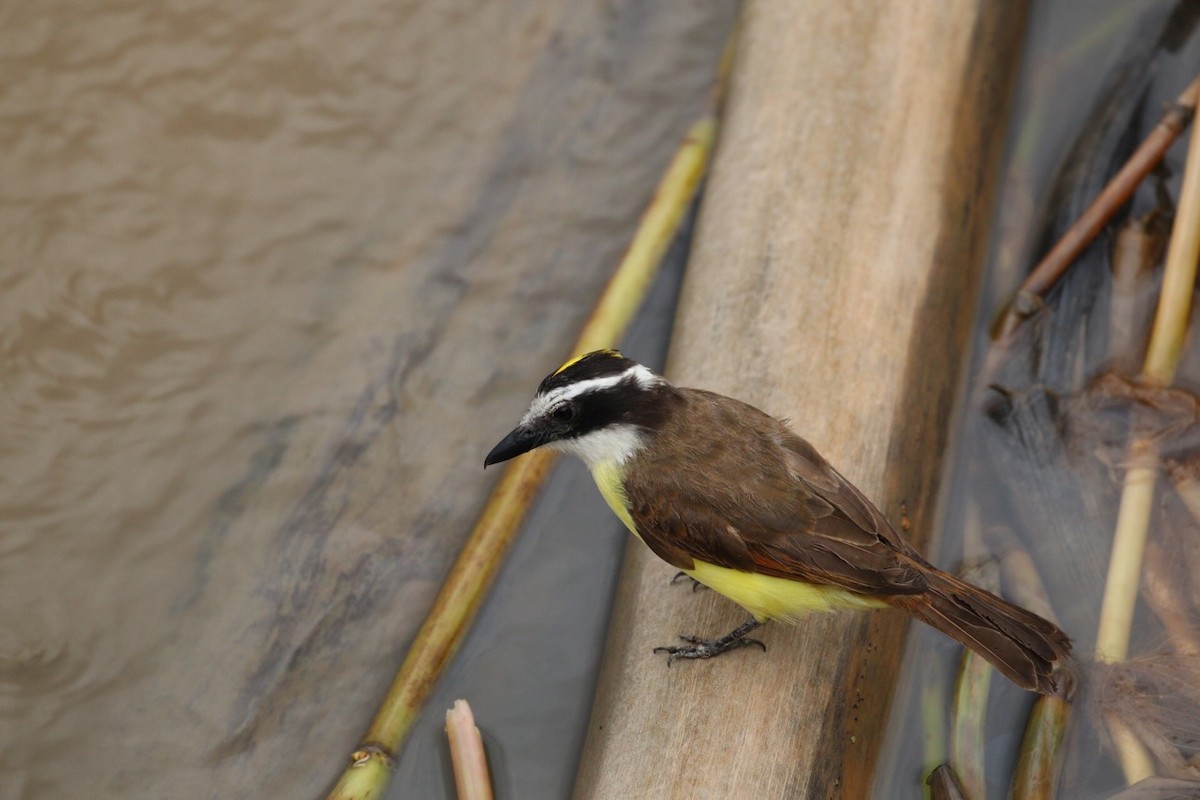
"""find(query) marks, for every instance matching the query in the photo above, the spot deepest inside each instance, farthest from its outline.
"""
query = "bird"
(740, 503)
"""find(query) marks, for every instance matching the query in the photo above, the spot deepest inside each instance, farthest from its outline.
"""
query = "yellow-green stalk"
(456, 604)
(1040, 761)
(968, 722)
(1162, 358)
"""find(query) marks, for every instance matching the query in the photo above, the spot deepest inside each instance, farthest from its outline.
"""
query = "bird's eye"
(564, 412)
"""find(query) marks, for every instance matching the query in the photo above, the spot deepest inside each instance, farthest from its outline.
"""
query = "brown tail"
(1019, 643)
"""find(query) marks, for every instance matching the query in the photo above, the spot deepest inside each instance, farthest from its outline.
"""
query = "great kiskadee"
(737, 501)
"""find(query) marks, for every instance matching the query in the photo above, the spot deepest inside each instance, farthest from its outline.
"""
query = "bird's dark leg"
(696, 585)
(707, 648)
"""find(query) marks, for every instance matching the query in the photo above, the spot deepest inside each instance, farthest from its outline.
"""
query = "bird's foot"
(696, 585)
(699, 647)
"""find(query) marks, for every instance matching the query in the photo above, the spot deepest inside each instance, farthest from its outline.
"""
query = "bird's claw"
(696, 585)
(699, 647)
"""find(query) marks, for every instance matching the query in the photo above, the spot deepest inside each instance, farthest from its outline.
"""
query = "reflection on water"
(248, 256)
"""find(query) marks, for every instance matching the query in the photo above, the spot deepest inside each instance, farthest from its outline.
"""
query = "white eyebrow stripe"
(543, 403)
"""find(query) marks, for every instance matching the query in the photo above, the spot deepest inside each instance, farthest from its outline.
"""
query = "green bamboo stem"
(1040, 761)
(444, 629)
(969, 723)
(1125, 565)
(968, 726)
(1162, 358)
(933, 716)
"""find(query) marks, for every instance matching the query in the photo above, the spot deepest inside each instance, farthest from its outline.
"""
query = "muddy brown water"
(273, 279)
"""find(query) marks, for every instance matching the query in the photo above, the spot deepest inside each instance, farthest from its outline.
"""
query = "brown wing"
(749, 494)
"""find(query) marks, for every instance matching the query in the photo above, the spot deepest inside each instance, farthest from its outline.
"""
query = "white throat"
(613, 444)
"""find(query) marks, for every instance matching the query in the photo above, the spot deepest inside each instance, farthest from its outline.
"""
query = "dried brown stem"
(944, 784)
(1114, 195)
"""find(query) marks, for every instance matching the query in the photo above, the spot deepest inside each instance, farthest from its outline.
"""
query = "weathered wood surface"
(831, 282)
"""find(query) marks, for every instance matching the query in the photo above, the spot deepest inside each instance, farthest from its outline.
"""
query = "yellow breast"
(609, 479)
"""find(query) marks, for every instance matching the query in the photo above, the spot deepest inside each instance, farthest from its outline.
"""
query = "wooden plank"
(831, 282)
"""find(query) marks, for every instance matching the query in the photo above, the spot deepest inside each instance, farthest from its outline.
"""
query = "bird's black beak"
(520, 440)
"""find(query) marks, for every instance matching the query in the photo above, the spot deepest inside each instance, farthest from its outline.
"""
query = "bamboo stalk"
(1040, 761)
(439, 637)
(968, 726)
(1125, 565)
(933, 715)
(1166, 344)
(1179, 277)
(969, 721)
(471, 777)
(1162, 358)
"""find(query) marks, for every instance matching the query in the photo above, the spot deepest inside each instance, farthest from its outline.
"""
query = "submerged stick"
(1165, 597)
(1187, 485)
(1162, 358)
(1184, 477)
(944, 785)
(454, 609)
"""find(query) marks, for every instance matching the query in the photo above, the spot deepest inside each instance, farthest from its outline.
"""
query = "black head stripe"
(628, 402)
(598, 364)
